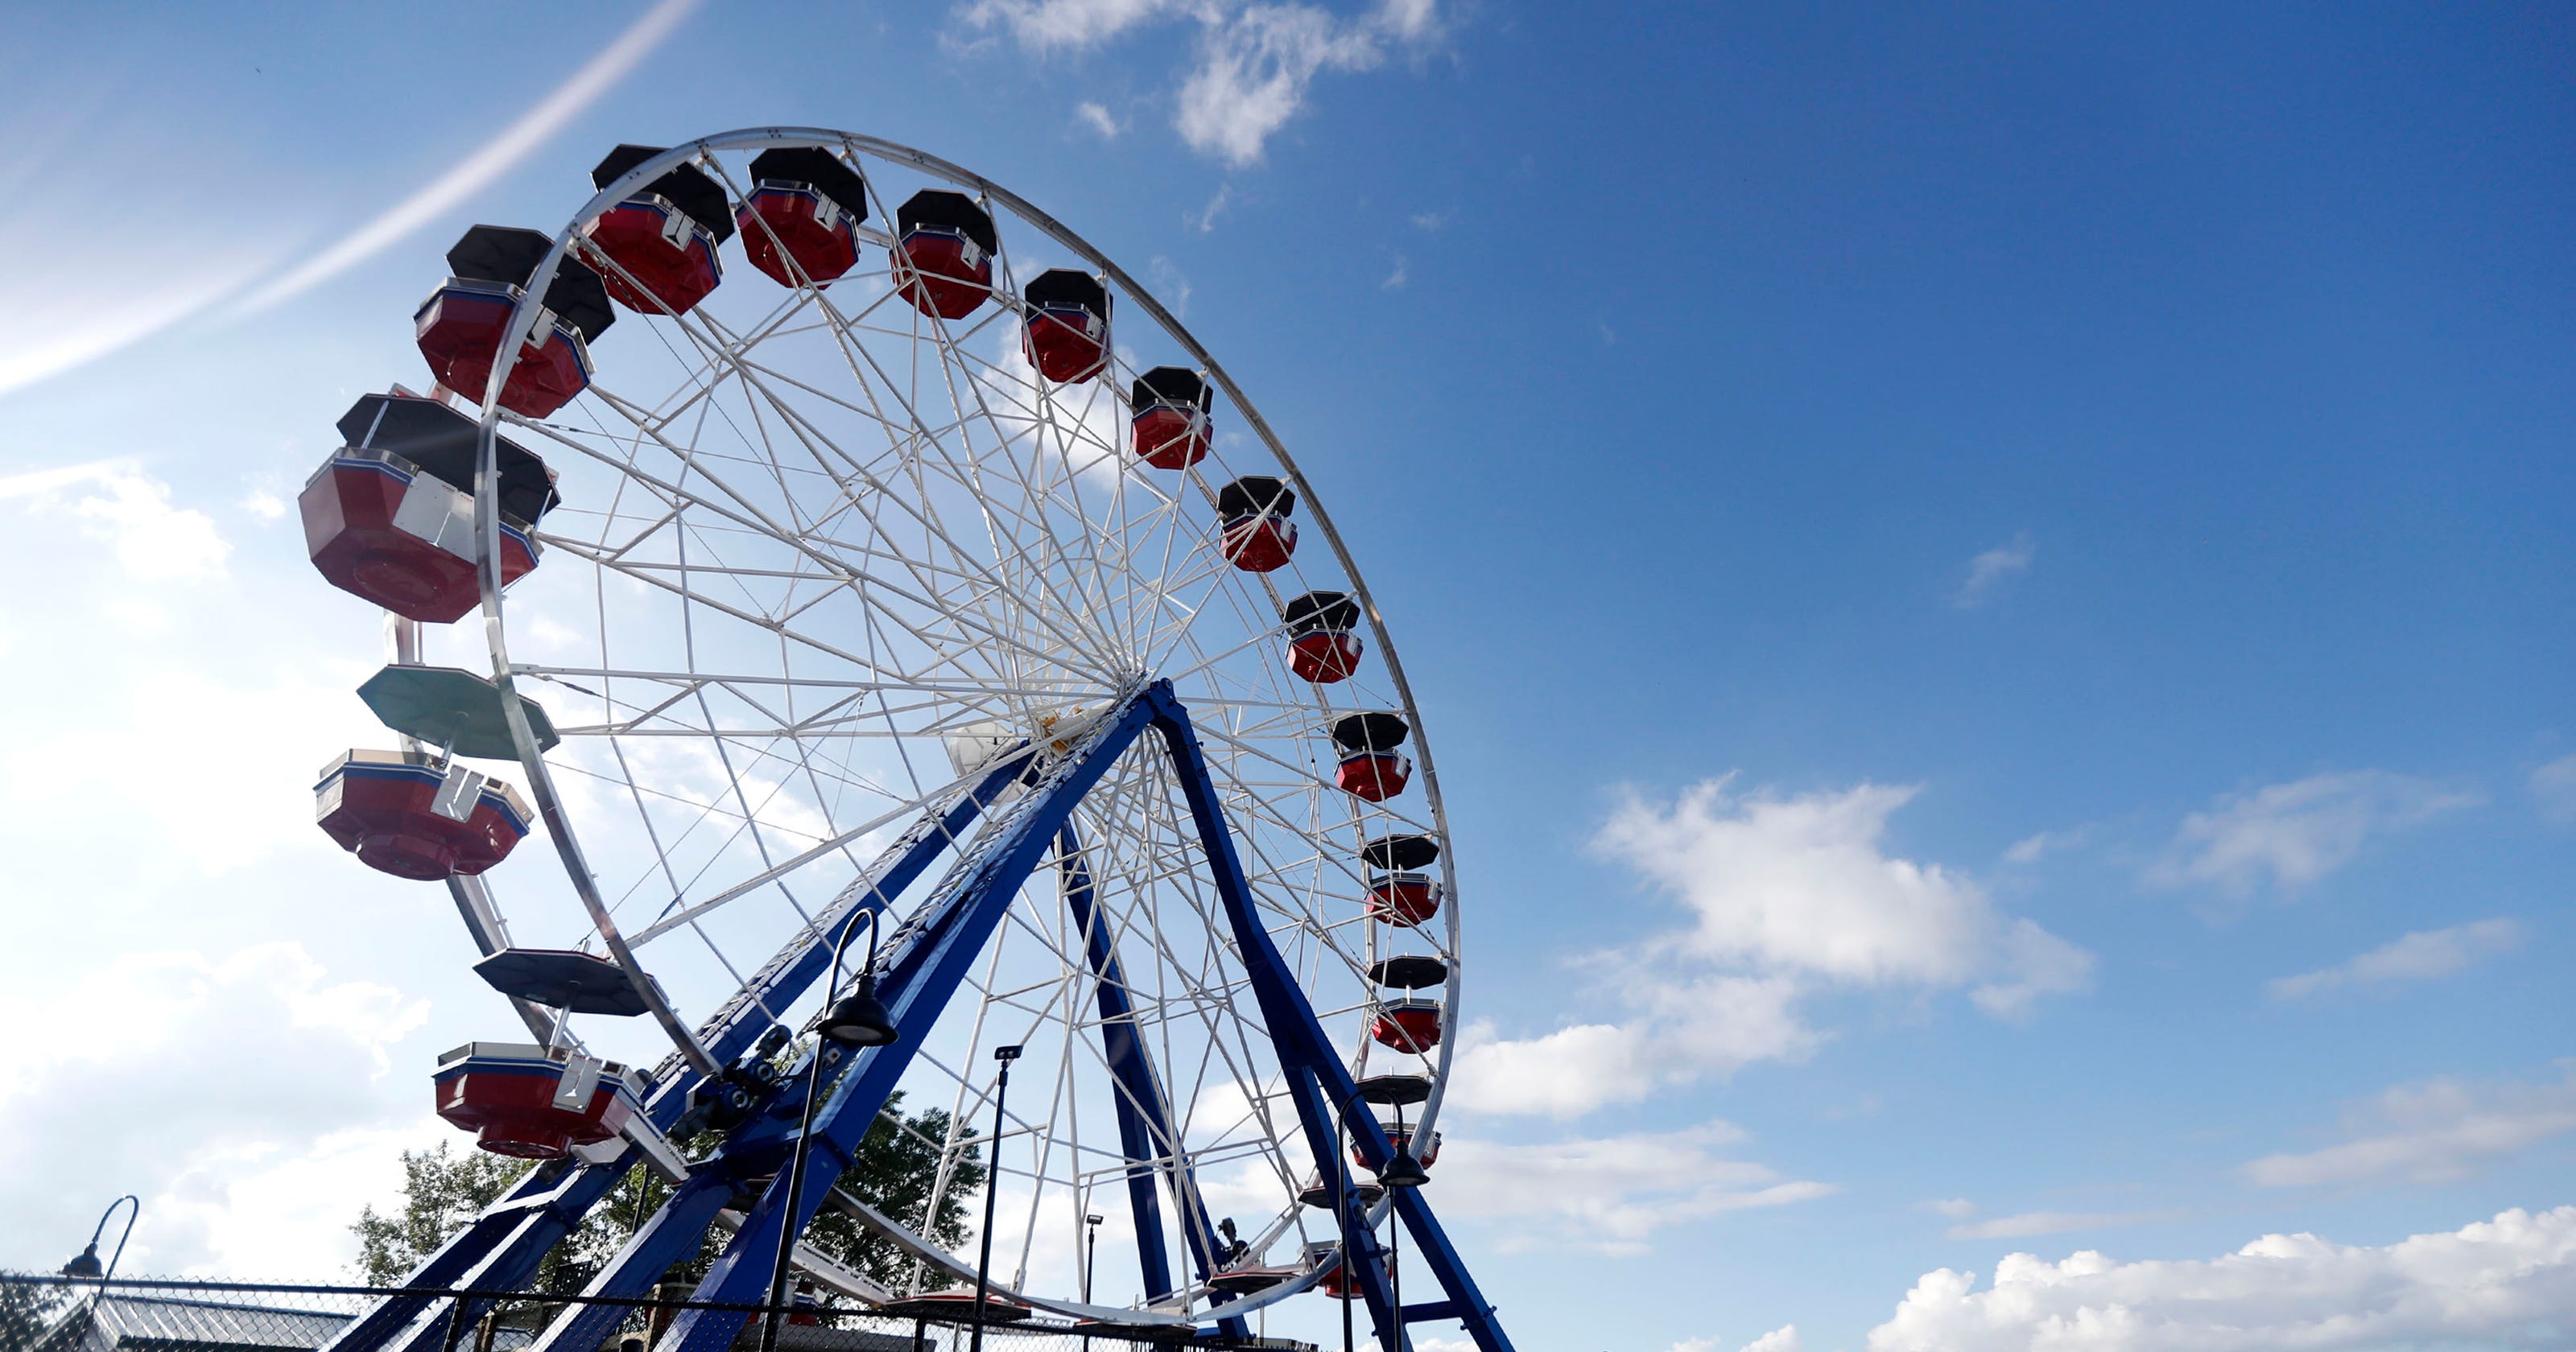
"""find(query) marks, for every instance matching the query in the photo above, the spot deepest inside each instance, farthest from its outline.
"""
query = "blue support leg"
(1300, 1038)
(1144, 1113)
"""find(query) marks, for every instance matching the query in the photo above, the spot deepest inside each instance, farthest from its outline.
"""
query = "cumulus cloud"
(1611, 1194)
(130, 511)
(2554, 787)
(1251, 67)
(2296, 833)
(1785, 892)
(1782, 1339)
(2432, 1132)
(2508, 1282)
(1991, 567)
(239, 1096)
(2424, 955)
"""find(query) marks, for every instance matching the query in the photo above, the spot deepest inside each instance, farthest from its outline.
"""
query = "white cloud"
(2031, 1223)
(2431, 1132)
(496, 157)
(2421, 956)
(1786, 892)
(155, 541)
(239, 1096)
(1683, 1031)
(1098, 119)
(1610, 1194)
(1205, 220)
(2554, 785)
(1993, 566)
(1251, 66)
(2298, 832)
(2033, 848)
(1956, 1208)
(1798, 883)
(1429, 222)
(1395, 277)
(1782, 1339)
(2509, 1282)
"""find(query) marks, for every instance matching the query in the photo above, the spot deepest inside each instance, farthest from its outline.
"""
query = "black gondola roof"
(1411, 972)
(686, 187)
(510, 255)
(957, 211)
(1253, 495)
(831, 175)
(1400, 854)
(1170, 385)
(1320, 612)
(441, 441)
(1370, 731)
(1067, 286)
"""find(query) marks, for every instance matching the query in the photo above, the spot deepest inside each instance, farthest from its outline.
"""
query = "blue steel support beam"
(931, 966)
(1126, 1057)
(1302, 1047)
(500, 1250)
(1144, 1114)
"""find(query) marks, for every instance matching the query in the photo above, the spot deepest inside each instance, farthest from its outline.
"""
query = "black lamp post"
(84, 1266)
(1402, 1170)
(992, 1189)
(1090, 1255)
(855, 1020)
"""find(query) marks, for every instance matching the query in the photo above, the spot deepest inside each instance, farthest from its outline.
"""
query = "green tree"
(896, 1170)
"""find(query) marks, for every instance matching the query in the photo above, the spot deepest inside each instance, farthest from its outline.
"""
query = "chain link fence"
(64, 1314)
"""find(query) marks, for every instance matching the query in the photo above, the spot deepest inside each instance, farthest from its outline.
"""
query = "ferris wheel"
(915, 652)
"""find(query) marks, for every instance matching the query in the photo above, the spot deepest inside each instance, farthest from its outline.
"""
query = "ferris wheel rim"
(525, 316)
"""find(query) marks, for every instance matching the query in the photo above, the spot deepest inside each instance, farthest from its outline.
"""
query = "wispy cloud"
(2295, 833)
(1098, 119)
(2554, 785)
(1612, 1194)
(1397, 276)
(2432, 1132)
(1991, 567)
(496, 157)
(1251, 67)
(2031, 1223)
(2425, 955)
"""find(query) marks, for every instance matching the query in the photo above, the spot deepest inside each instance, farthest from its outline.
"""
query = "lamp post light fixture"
(84, 1265)
(992, 1188)
(1090, 1255)
(851, 1021)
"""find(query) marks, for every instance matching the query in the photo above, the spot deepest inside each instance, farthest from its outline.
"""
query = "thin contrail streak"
(514, 144)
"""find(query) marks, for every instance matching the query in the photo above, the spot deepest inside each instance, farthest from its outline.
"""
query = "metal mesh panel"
(61, 1314)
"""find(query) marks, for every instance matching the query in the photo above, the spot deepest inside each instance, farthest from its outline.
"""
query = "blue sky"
(1990, 585)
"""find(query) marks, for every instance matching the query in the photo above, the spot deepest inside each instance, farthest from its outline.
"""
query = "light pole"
(1401, 1171)
(1090, 1255)
(992, 1189)
(84, 1266)
(858, 1020)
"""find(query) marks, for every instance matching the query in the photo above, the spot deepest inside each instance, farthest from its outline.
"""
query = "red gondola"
(1255, 533)
(462, 325)
(944, 247)
(662, 241)
(404, 813)
(1370, 767)
(1170, 425)
(390, 516)
(800, 222)
(1407, 1025)
(1401, 1137)
(1321, 645)
(1403, 898)
(1336, 1281)
(530, 1103)
(1066, 334)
